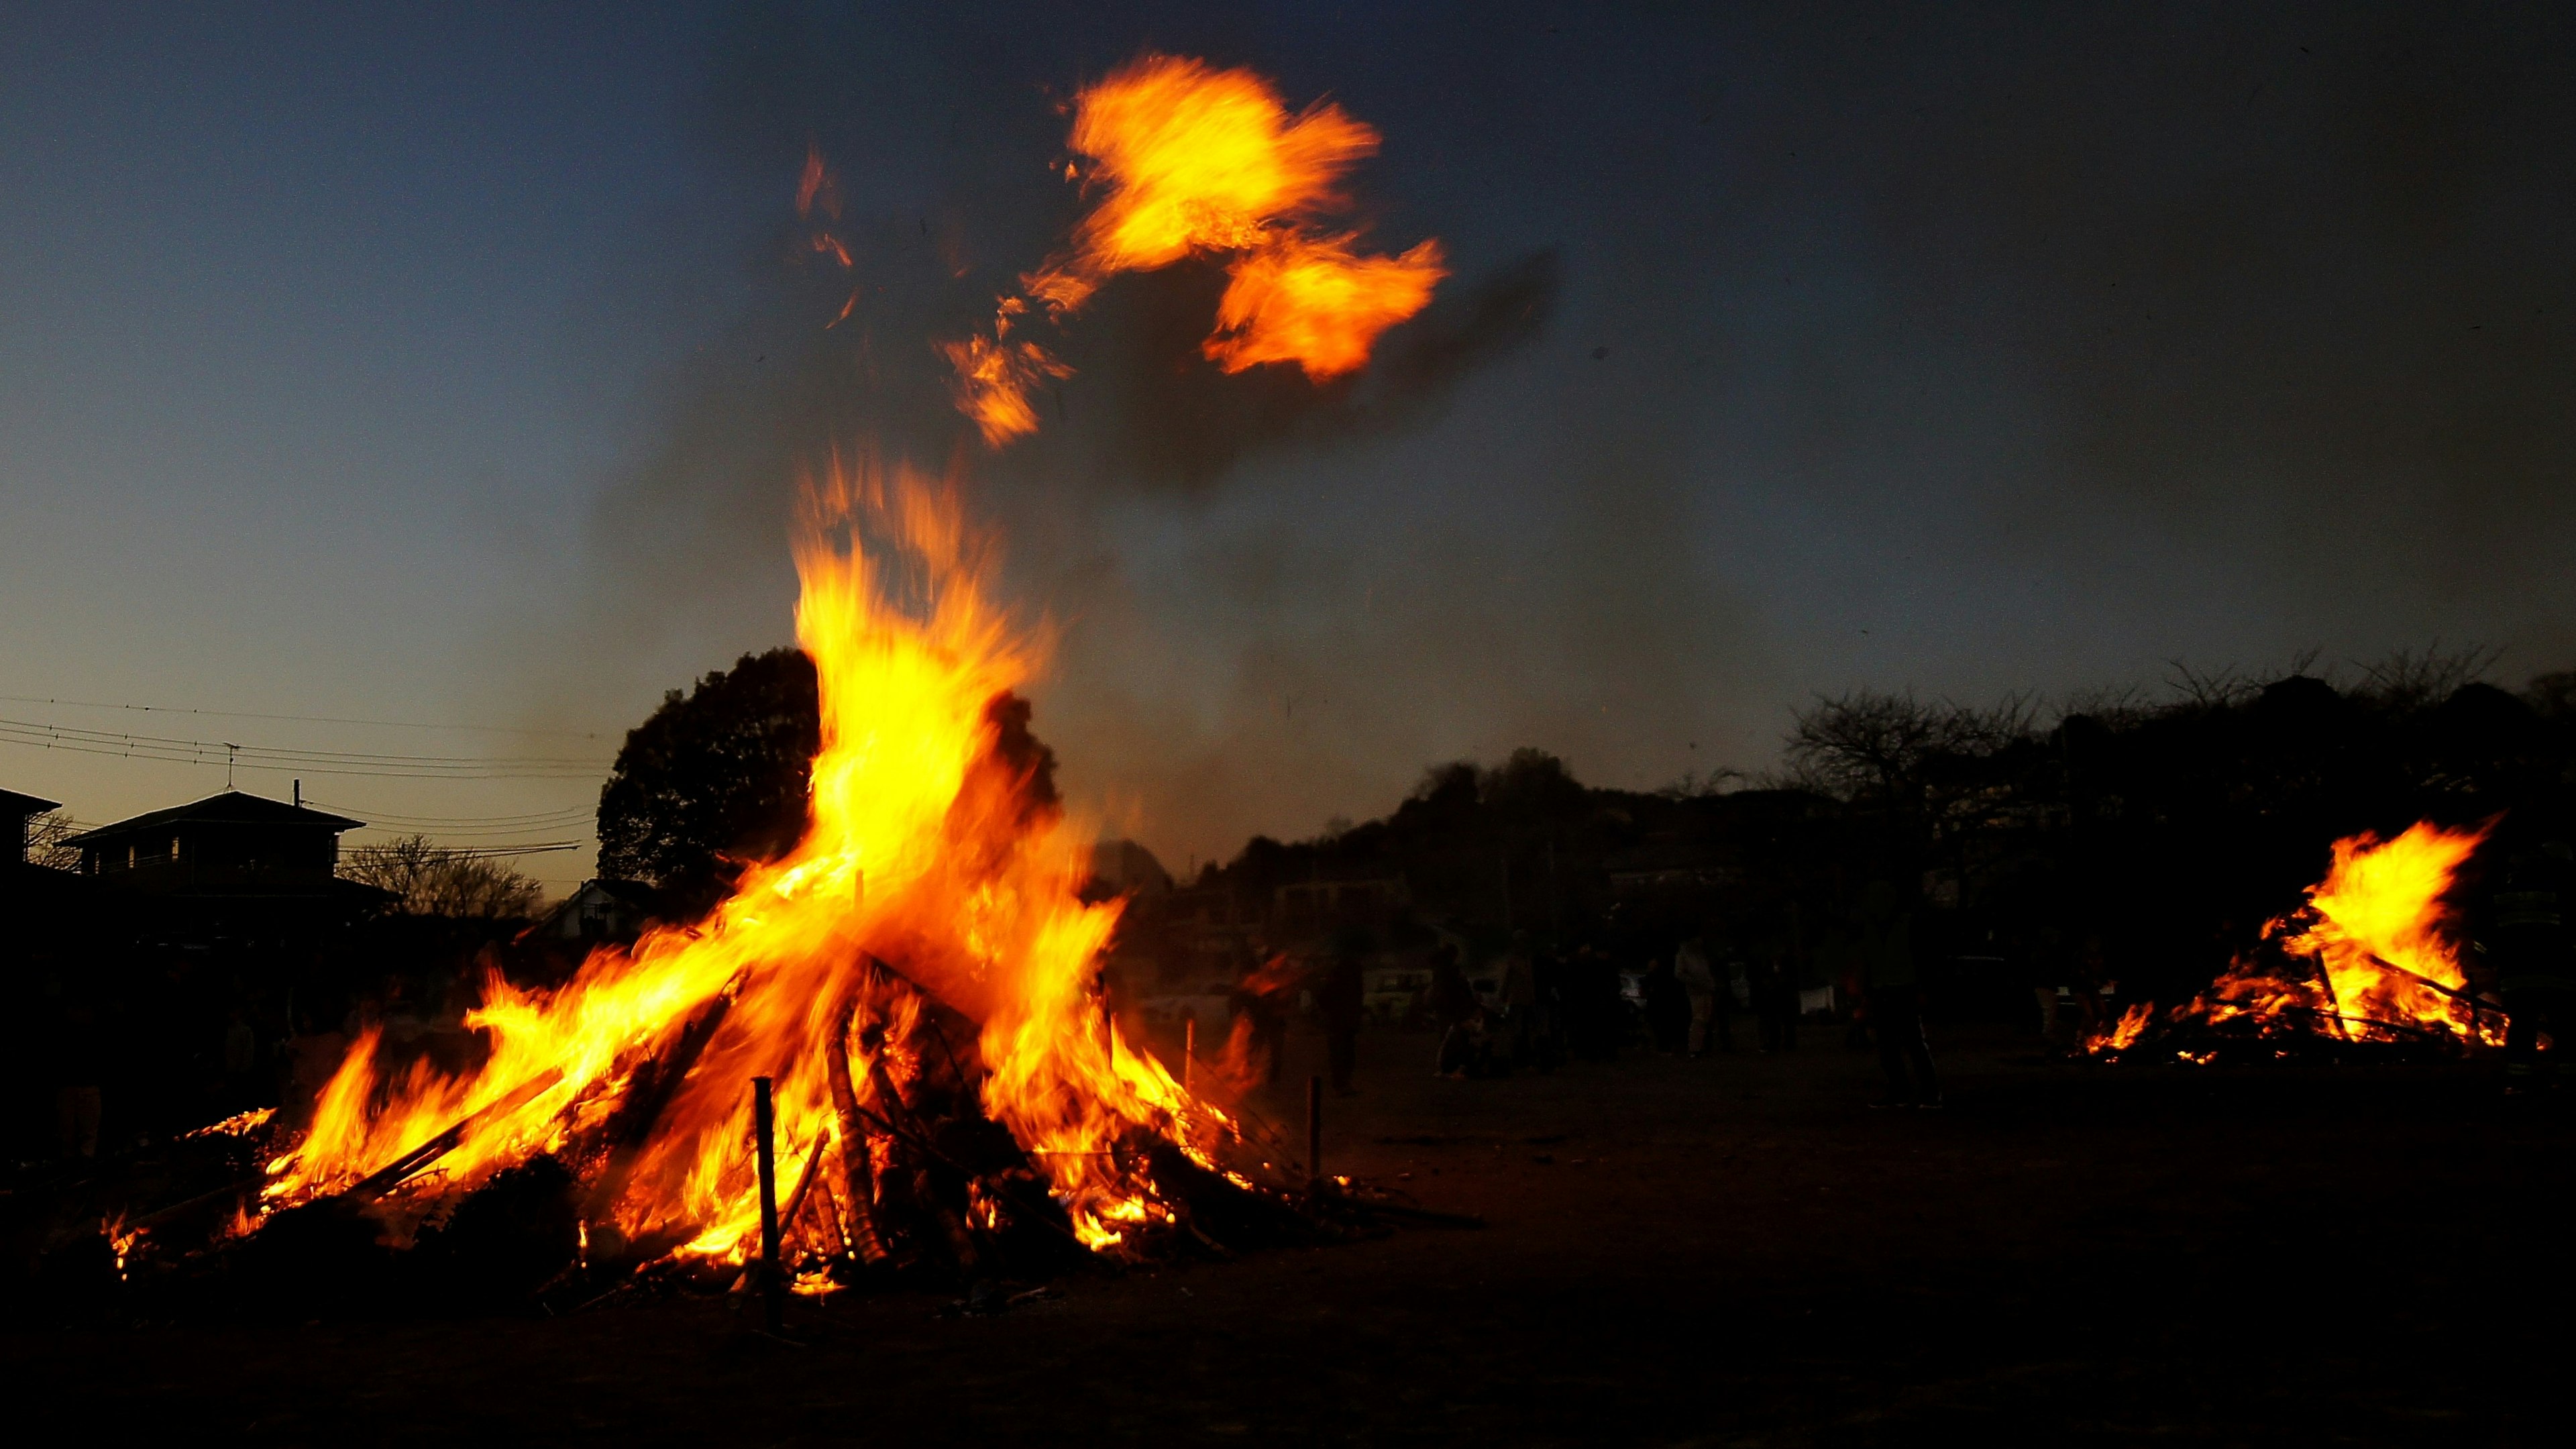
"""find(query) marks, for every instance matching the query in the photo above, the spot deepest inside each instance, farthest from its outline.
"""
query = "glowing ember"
(927, 853)
(1191, 161)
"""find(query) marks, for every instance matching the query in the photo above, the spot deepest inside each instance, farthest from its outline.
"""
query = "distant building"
(602, 910)
(15, 811)
(231, 840)
(229, 863)
(1311, 910)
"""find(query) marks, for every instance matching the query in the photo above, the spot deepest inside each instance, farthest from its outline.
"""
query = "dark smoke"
(2026, 347)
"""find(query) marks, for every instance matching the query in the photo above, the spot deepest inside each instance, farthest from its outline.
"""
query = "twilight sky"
(452, 365)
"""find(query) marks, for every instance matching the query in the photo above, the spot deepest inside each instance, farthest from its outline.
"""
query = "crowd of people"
(1535, 1005)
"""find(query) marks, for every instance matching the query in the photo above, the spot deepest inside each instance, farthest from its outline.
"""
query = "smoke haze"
(2022, 349)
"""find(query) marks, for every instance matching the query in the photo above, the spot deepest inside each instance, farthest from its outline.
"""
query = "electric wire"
(399, 724)
(170, 750)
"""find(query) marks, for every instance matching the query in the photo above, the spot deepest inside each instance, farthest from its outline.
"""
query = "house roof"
(13, 803)
(232, 807)
(633, 892)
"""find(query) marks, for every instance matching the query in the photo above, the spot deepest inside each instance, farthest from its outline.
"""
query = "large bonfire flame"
(2374, 955)
(930, 882)
(1189, 161)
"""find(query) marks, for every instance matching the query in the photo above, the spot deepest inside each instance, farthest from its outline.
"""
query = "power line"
(467, 852)
(398, 724)
(316, 762)
(271, 752)
(502, 836)
(569, 812)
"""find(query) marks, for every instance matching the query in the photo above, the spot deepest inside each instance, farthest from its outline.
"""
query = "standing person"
(1883, 944)
(1341, 999)
(1699, 983)
(1519, 993)
(1667, 1007)
(1547, 1027)
(1453, 1008)
(241, 1059)
(1775, 994)
(2049, 970)
(2522, 932)
(80, 1070)
(1260, 999)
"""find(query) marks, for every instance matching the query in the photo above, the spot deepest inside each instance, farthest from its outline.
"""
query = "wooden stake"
(1189, 1048)
(1315, 1132)
(773, 1282)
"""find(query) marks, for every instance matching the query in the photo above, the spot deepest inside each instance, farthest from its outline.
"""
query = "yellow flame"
(925, 849)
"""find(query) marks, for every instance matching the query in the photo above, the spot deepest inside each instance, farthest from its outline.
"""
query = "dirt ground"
(1733, 1250)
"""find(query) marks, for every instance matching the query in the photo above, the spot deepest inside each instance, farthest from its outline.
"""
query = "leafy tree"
(721, 776)
(433, 880)
(714, 778)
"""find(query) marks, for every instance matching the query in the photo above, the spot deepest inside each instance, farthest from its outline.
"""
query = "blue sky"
(447, 365)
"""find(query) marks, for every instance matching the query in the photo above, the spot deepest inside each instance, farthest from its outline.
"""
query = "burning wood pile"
(915, 982)
(913, 988)
(2376, 959)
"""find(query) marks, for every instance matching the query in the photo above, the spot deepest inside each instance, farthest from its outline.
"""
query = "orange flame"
(1196, 160)
(1317, 305)
(924, 850)
(2124, 1033)
(2382, 943)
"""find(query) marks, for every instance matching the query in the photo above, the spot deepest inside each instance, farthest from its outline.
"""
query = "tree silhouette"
(720, 777)
(715, 778)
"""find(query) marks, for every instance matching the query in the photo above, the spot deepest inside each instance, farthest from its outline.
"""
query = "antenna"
(230, 749)
(299, 794)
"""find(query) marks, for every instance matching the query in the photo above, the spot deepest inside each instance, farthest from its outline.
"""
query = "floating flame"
(818, 203)
(926, 849)
(1315, 304)
(1193, 160)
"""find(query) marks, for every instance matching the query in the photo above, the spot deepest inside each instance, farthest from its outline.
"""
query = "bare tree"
(46, 837)
(2229, 686)
(435, 880)
(1695, 786)
(2408, 679)
(1870, 744)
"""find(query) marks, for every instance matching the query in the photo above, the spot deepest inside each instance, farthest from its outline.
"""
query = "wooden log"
(393, 1174)
(804, 1185)
(858, 1173)
(632, 1126)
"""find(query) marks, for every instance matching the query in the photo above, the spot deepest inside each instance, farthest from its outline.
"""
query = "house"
(230, 865)
(230, 841)
(602, 910)
(15, 811)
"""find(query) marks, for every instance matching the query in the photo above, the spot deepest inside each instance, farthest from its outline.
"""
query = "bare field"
(1733, 1250)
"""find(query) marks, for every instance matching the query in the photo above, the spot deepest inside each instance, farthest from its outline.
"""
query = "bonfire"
(2376, 955)
(885, 1051)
